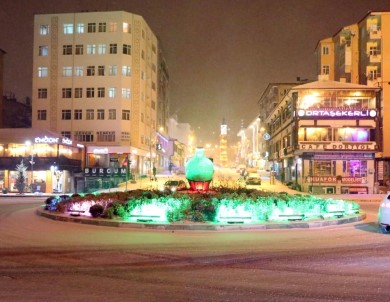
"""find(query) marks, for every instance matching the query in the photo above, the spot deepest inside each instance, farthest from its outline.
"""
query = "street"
(46, 260)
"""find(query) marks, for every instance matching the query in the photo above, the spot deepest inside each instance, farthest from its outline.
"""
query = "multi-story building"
(324, 136)
(96, 77)
(2, 53)
(359, 53)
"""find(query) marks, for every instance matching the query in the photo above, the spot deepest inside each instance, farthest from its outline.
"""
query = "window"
(314, 134)
(90, 71)
(91, 49)
(355, 168)
(79, 49)
(111, 92)
(142, 75)
(78, 71)
(66, 49)
(90, 92)
(126, 94)
(154, 67)
(83, 136)
(325, 50)
(43, 72)
(66, 115)
(42, 93)
(113, 70)
(352, 134)
(100, 114)
(325, 69)
(106, 136)
(78, 114)
(66, 93)
(322, 168)
(66, 134)
(153, 85)
(126, 71)
(90, 114)
(126, 115)
(43, 50)
(125, 136)
(78, 93)
(101, 49)
(111, 114)
(373, 50)
(113, 26)
(44, 30)
(102, 27)
(142, 117)
(91, 27)
(101, 92)
(126, 49)
(154, 49)
(154, 105)
(113, 48)
(101, 70)
(373, 74)
(142, 54)
(67, 71)
(143, 34)
(41, 115)
(126, 27)
(80, 28)
(68, 29)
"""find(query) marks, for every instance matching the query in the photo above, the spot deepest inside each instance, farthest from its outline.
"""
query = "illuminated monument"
(223, 157)
(199, 171)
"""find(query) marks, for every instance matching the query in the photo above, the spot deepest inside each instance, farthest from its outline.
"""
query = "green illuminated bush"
(254, 205)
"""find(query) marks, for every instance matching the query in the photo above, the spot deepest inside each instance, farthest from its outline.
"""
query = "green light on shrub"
(234, 214)
(154, 211)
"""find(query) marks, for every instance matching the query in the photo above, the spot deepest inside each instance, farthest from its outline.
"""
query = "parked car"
(175, 185)
(253, 180)
(384, 214)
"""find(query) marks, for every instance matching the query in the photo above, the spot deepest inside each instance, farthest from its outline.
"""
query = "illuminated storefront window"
(324, 168)
(315, 134)
(355, 168)
(353, 134)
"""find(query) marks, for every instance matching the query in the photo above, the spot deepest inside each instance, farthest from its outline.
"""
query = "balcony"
(375, 58)
(375, 34)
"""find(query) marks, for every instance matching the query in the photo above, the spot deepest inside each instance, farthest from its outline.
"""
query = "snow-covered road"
(46, 260)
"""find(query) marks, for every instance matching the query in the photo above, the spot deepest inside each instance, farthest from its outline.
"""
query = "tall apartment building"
(96, 77)
(360, 54)
(2, 53)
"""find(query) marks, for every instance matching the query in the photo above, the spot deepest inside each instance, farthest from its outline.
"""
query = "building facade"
(359, 53)
(96, 77)
(53, 163)
(324, 136)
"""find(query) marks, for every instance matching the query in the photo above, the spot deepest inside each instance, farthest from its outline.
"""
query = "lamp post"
(28, 144)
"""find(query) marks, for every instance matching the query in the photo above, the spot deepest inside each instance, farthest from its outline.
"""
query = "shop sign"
(100, 151)
(324, 179)
(333, 179)
(340, 155)
(352, 180)
(52, 140)
(101, 172)
(337, 113)
(336, 146)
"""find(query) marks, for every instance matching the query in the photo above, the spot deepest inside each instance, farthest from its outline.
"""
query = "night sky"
(221, 54)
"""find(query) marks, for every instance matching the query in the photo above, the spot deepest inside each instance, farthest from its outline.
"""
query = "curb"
(202, 227)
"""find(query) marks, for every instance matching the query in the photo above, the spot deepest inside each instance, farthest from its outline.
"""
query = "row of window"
(90, 93)
(89, 114)
(336, 134)
(91, 49)
(92, 27)
(101, 70)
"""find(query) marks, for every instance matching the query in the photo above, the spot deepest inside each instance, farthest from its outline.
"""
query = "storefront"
(47, 161)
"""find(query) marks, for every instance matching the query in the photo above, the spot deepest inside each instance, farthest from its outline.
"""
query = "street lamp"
(28, 144)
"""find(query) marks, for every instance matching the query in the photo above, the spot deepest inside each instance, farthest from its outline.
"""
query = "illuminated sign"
(223, 129)
(266, 136)
(98, 172)
(334, 146)
(52, 140)
(333, 179)
(46, 140)
(341, 113)
(100, 151)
